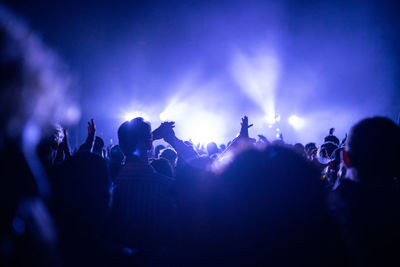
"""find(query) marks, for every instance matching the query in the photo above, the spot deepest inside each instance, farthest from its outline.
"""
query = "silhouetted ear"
(346, 159)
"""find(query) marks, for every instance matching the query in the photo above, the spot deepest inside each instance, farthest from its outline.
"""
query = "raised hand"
(91, 128)
(244, 130)
(163, 130)
(263, 139)
(168, 131)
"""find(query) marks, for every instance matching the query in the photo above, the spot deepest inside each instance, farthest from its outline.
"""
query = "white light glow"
(194, 122)
(296, 122)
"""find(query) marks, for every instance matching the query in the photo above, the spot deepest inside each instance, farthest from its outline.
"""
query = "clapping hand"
(165, 130)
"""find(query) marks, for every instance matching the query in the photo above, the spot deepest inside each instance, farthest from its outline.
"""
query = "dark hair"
(374, 146)
(130, 133)
(169, 154)
(308, 146)
(299, 148)
(157, 150)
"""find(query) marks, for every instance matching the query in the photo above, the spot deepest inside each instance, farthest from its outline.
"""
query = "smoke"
(329, 63)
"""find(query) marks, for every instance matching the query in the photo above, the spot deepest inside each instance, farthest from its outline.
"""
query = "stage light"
(277, 129)
(163, 116)
(257, 75)
(296, 122)
(277, 135)
(195, 122)
(204, 128)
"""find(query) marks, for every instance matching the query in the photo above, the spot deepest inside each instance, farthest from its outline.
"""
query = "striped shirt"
(142, 209)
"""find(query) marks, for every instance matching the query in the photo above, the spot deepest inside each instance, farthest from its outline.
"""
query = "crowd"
(249, 202)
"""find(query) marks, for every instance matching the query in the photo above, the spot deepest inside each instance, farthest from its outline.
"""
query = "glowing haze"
(205, 65)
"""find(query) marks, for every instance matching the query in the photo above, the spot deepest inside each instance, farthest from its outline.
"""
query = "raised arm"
(166, 131)
(88, 145)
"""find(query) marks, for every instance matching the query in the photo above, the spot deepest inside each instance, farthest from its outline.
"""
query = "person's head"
(299, 148)
(116, 154)
(373, 149)
(162, 166)
(50, 141)
(98, 145)
(170, 155)
(311, 149)
(212, 148)
(275, 200)
(135, 135)
(157, 151)
(331, 143)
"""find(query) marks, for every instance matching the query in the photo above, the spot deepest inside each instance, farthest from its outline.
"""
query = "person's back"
(142, 203)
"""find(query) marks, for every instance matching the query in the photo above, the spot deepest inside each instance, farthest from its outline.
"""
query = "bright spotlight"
(296, 122)
(163, 116)
(270, 119)
(205, 128)
(195, 122)
(277, 135)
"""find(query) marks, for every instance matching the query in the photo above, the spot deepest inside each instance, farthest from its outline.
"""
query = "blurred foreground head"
(275, 206)
(374, 146)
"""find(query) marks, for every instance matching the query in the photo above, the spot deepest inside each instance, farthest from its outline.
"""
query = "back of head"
(116, 154)
(299, 148)
(309, 146)
(170, 155)
(278, 207)
(134, 134)
(212, 148)
(157, 150)
(331, 143)
(374, 146)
